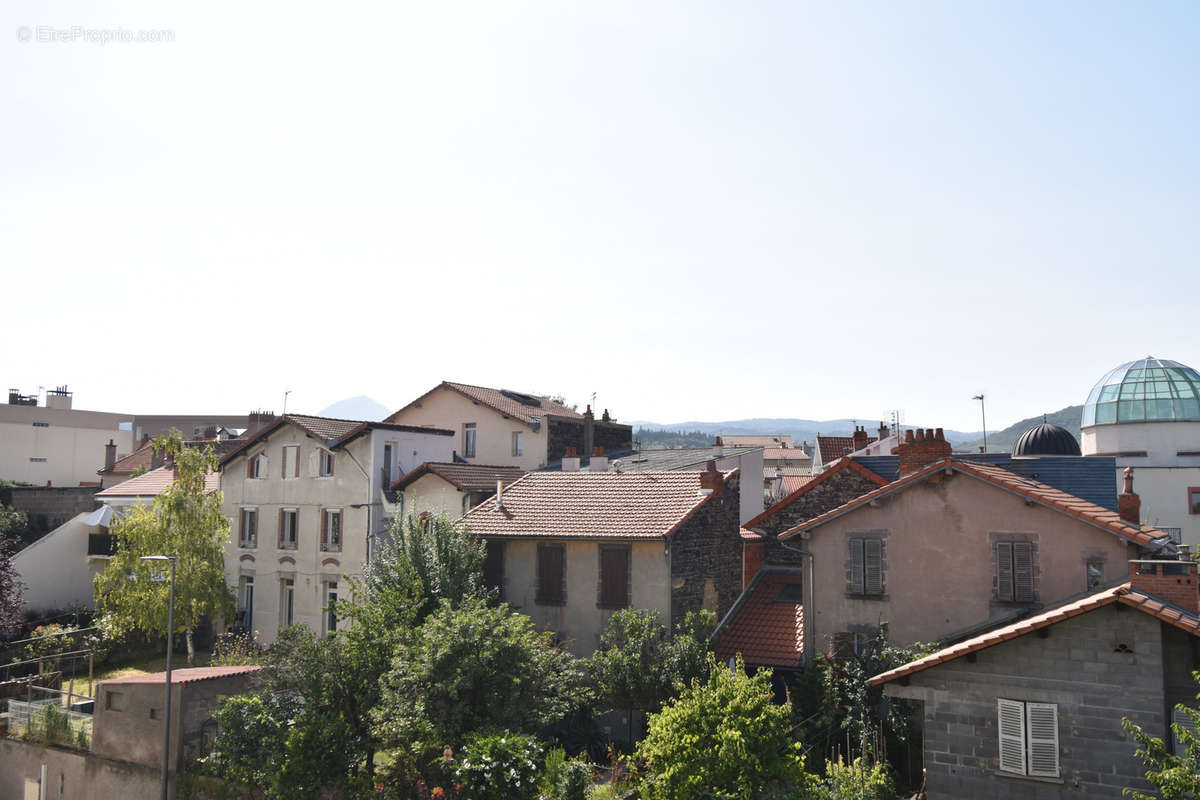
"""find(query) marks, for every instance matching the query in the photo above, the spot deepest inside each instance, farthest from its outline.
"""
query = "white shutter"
(1181, 719)
(1043, 739)
(1011, 715)
(314, 465)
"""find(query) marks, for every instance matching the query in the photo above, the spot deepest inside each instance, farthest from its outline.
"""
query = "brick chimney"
(110, 455)
(884, 431)
(1172, 582)
(599, 462)
(921, 447)
(859, 439)
(712, 479)
(570, 460)
(589, 431)
(1129, 505)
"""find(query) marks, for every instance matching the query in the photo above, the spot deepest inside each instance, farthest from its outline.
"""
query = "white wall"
(434, 494)
(750, 463)
(56, 569)
(72, 442)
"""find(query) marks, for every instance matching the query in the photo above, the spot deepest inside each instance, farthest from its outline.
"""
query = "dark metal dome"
(1046, 440)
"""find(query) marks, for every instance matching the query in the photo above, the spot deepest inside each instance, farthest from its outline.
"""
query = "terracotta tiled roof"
(841, 464)
(154, 483)
(591, 505)
(187, 675)
(793, 483)
(502, 401)
(1120, 594)
(765, 631)
(785, 454)
(1032, 490)
(834, 447)
(465, 477)
(750, 536)
(332, 431)
(143, 457)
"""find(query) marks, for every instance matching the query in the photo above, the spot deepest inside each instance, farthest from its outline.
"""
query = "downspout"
(810, 620)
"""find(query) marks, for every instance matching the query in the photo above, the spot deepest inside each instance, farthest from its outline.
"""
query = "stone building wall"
(563, 433)
(51, 506)
(1076, 666)
(706, 555)
(838, 489)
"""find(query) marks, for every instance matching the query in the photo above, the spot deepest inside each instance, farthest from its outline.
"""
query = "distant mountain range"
(999, 441)
(800, 429)
(361, 407)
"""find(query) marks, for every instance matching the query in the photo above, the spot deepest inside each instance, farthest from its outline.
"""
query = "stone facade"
(563, 433)
(706, 557)
(1084, 665)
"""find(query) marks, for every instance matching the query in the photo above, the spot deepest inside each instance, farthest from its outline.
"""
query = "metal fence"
(46, 719)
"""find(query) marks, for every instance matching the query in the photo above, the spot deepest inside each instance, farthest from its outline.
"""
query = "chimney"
(718, 448)
(1172, 582)
(606, 417)
(110, 455)
(711, 479)
(259, 419)
(570, 460)
(499, 495)
(599, 462)
(589, 430)
(884, 431)
(1129, 505)
(859, 439)
(920, 448)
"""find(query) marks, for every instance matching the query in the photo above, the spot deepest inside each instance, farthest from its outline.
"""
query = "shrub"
(575, 779)
(552, 772)
(858, 780)
(236, 649)
(498, 766)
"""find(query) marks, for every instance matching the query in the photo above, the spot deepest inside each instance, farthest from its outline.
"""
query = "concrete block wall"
(1076, 666)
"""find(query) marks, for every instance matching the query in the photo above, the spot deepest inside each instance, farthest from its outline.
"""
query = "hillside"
(800, 429)
(1000, 441)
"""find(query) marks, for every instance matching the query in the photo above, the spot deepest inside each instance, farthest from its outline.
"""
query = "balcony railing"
(101, 544)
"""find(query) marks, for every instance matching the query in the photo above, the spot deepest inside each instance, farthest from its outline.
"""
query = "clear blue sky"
(698, 211)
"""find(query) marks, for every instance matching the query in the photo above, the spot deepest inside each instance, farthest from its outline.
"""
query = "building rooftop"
(153, 483)
(1147, 390)
(766, 625)
(592, 505)
(756, 440)
(330, 431)
(465, 477)
(527, 408)
(184, 676)
(834, 447)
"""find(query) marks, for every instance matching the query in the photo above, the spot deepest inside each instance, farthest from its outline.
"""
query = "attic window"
(523, 399)
(790, 593)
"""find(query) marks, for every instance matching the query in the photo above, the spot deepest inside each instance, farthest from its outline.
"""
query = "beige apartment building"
(306, 500)
(56, 444)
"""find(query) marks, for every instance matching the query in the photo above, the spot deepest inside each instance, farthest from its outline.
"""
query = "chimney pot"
(922, 447)
(920, 434)
(908, 436)
(110, 455)
(940, 435)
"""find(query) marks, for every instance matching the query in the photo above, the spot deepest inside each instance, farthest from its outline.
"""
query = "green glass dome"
(1147, 390)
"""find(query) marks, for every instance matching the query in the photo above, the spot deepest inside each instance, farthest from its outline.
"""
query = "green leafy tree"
(429, 559)
(723, 738)
(185, 521)
(1175, 776)
(499, 766)
(473, 668)
(15, 525)
(10, 589)
(637, 667)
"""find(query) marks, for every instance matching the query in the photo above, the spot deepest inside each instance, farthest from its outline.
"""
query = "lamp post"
(982, 411)
(166, 759)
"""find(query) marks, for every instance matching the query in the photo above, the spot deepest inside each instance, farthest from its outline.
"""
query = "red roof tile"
(834, 447)
(792, 483)
(154, 483)
(798, 491)
(332, 431)
(1032, 490)
(785, 454)
(186, 675)
(591, 505)
(501, 401)
(1123, 594)
(464, 477)
(765, 631)
(751, 536)
(755, 440)
(143, 457)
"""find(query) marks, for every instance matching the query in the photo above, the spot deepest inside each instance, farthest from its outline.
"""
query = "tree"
(1175, 776)
(469, 669)
(637, 667)
(429, 560)
(10, 589)
(15, 526)
(186, 522)
(722, 738)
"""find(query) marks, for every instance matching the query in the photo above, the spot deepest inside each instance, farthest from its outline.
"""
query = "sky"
(696, 211)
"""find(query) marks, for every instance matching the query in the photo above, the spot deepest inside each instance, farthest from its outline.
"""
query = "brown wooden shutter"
(296, 474)
(281, 529)
(1022, 570)
(249, 466)
(1004, 571)
(242, 527)
(614, 576)
(550, 588)
(324, 529)
(283, 461)
(872, 566)
(857, 566)
(493, 565)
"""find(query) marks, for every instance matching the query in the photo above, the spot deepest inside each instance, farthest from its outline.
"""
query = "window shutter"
(1011, 716)
(281, 528)
(493, 565)
(1043, 739)
(253, 516)
(1004, 571)
(856, 566)
(551, 577)
(324, 529)
(1022, 570)
(331, 463)
(614, 576)
(873, 566)
(249, 466)
(283, 462)
(1180, 719)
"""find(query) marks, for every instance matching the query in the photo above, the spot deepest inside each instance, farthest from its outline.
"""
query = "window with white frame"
(325, 464)
(1028, 738)
(289, 528)
(287, 602)
(331, 530)
(329, 619)
(468, 440)
(245, 612)
(248, 529)
(516, 443)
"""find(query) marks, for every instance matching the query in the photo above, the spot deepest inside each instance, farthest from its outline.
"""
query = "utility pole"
(982, 411)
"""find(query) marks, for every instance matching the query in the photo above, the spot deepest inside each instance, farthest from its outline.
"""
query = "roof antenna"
(285, 394)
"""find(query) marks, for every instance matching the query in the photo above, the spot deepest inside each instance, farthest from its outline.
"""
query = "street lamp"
(982, 411)
(166, 761)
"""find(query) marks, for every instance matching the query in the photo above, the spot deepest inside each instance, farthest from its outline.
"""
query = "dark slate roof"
(1091, 478)
(1046, 440)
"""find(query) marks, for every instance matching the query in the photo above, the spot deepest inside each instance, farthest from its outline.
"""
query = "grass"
(147, 664)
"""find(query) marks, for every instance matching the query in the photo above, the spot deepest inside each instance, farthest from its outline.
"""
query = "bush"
(498, 766)
(237, 649)
(575, 779)
(858, 780)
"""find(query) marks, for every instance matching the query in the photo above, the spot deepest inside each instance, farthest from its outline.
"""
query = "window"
(114, 701)
(41, 424)
(516, 442)
(329, 618)
(248, 530)
(287, 601)
(387, 464)
(1194, 499)
(1014, 572)
(493, 565)
(1183, 720)
(256, 465)
(325, 465)
(331, 530)
(1095, 575)
(469, 440)
(551, 575)
(866, 566)
(1028, 738)
(289, 523)
(36, 460)
(614, 576)
(245, 612)
(291, 461)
